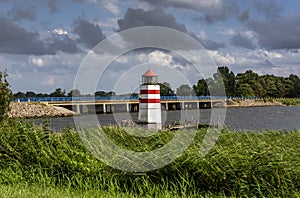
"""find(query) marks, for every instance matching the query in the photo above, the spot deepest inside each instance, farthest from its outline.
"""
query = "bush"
(5, 96)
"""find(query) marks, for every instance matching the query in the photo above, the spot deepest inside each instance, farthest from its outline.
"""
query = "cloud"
(16, 40)
(49, 81)
(160, 57)
(268, 8)
(157, 17)
(22, 11)
(63, 43)
(15, 76)
(111, 7)
(245, 39)
(228, 9)
(37, 61)
(52, 5)
(60, 31)
(244, 16)
(226, 31)
(90, 34)
(202, 5)
(221, 58)
(278, 33)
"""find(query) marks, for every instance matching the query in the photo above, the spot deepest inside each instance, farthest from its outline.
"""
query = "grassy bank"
(291, 101)
(36, 162)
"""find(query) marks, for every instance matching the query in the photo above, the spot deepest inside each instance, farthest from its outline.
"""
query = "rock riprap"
(34, 110)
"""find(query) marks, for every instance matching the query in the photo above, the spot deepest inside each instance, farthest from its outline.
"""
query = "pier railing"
(120, 98)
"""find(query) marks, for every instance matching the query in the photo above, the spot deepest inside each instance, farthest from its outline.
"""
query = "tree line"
(247, 84)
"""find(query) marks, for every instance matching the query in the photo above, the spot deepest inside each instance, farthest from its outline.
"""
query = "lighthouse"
(149, 106)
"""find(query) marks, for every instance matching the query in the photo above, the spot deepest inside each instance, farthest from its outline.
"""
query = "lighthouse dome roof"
(149, 72)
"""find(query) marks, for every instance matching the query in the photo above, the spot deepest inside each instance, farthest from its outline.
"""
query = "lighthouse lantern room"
(149, 106)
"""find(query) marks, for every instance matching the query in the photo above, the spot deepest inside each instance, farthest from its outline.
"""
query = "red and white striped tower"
(149, 106)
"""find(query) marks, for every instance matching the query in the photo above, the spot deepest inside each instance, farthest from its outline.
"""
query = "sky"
(43, 44)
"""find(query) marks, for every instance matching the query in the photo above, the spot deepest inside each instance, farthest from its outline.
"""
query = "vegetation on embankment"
(290, 101)
(35, 161)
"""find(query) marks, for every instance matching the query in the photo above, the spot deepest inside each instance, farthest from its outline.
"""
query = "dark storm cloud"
(228, 9)
(22, 11)
(64, 44)
(157, 17)
(242, 41)
(278, 33)
(52, 5)
(268, 8)
(90, 34)
(211, 45)
(16, 40)
(212, 11)
(244, 16)
(197, 5)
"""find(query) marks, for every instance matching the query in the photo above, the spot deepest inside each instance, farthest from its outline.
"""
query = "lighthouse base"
(150, 114)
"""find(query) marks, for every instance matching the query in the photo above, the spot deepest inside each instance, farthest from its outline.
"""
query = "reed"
(35, 161)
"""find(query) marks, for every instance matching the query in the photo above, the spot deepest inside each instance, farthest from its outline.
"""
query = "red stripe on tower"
(150, 101)
(150, 92)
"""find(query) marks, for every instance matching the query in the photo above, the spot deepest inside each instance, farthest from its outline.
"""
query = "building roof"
(149, 73)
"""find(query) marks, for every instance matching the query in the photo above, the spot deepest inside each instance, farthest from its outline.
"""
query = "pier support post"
(104, 108)
(78, 108)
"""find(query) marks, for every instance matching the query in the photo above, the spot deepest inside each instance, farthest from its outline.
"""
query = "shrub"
(5, 95)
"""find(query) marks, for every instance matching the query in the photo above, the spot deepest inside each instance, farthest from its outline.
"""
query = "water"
(253, 118)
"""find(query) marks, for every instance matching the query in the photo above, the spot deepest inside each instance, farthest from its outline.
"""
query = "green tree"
(20, 95)
(165, 89)
(100, 94)
(228, 80)
(184, 90)
(58, 93)
(5, 96)
(74, 93)
(201, 89)
(293, 89)
(30, 94)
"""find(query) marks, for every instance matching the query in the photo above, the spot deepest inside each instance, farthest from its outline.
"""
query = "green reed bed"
(37, 162)
(290, 101)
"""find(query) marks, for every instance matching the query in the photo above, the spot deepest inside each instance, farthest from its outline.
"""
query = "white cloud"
(122, 59)
(202, 34)
(111, 7)
(221, 58)
(37, 61)
(60, 31)
(199, 5)
(15, 76)
(226, 31)
(49, 81)
(108, 23)
(160, 57)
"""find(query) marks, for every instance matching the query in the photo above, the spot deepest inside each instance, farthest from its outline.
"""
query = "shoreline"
(253, 103)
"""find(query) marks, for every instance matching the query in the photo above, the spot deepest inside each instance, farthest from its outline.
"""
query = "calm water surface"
(253, 118)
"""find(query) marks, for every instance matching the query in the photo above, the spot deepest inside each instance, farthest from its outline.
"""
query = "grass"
(290, 102)
(35, 162)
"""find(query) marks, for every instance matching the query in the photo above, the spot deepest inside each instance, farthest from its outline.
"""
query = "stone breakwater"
(253, 103)
(36, 110)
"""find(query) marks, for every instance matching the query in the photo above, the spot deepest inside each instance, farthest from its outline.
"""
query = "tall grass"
(241, 163)
(291, 101)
